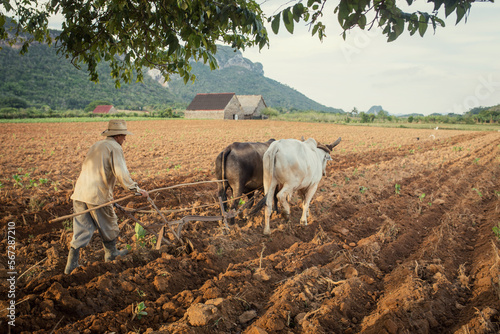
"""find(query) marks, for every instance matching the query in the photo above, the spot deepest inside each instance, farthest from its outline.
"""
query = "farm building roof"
(249, 103)
(102, 109)
(217, 101)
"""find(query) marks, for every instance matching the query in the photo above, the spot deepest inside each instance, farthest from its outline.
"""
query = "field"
(400, 237)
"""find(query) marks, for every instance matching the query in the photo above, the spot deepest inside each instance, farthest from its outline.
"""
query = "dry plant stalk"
(464, 279)
(262, 255)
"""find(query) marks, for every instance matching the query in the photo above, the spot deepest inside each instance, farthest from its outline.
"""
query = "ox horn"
(330, 147)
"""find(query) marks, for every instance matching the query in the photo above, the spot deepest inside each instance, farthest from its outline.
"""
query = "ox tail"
(257, 207)
(224, 184)
(267, 180)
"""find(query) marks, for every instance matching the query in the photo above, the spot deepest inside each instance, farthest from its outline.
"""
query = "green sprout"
(140, 234)
(140, 292)
(68, 224)
(496, 230)
(397, 188)
(139, 311)
(17, 181)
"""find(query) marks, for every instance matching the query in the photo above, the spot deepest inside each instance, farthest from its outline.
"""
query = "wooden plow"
(175, 227)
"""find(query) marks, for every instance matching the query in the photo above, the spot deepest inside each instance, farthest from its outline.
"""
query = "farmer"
(102, 167)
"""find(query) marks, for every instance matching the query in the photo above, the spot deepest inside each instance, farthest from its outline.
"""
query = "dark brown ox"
(241, 165)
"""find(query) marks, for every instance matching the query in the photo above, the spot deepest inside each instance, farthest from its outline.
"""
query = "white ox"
(296, 166)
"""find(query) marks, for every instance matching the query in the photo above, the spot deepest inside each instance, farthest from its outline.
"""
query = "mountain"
(374, 110)
(42, 77)
(239, 75)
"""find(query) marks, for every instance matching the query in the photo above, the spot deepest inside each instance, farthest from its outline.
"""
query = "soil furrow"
(401, 236)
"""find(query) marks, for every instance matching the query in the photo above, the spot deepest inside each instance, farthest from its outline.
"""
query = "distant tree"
(270, 112)
(410, 119)
(365, 118)
(382, 114)
(8, 112)
(167, 34)
(354, 112)
(14, 102)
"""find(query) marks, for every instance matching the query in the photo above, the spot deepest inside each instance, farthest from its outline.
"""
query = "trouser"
(104, 219)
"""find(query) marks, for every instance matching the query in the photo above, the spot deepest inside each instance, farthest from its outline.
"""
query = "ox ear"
(334, 144)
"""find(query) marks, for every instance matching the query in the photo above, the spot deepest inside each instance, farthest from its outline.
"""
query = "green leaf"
(399, 26)
(438, 4)
(422, 24)
(139, 230)
(413, 24)
(288, 20)
(449, 7)
(298, 10)
(460, 12)
(315, 29)
(362, 21)
(343, 12)
(275, 25)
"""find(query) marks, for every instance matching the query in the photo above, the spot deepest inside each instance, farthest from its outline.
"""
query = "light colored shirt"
(102, 167)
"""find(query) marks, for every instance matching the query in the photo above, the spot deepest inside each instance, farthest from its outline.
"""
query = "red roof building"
(107, 109)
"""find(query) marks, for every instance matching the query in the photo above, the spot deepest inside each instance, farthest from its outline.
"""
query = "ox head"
(327, 149)
(270, 141)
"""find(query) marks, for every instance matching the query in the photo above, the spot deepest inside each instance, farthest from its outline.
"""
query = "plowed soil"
(400, 236)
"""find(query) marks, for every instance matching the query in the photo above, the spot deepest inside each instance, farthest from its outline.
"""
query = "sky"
(451, 70)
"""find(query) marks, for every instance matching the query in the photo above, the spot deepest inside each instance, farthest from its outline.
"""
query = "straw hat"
(116, 127)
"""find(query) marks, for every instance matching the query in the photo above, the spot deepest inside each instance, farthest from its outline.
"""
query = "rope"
(140, 210)
(130, 196)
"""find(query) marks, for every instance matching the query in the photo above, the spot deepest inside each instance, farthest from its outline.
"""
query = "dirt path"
(400, 237)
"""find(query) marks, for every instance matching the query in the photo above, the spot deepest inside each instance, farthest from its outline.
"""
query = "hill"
(374, 110)
(42, 77)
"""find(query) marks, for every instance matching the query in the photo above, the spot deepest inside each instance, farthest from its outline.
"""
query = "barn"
(214, 106)
(105, 109)
(225, 106)
(252, 106)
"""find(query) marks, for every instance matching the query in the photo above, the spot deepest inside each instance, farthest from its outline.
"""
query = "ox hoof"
(267, 232)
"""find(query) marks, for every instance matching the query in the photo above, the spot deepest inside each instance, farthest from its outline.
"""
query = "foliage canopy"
(136, 34)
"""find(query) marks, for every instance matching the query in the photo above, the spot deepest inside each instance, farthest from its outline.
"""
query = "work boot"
(72, 263)
(110, 251)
